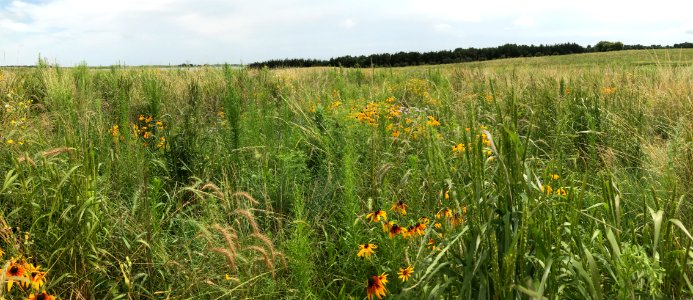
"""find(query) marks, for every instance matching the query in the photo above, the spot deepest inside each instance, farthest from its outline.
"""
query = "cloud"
(524, 21)
(212, 31)
(347, 24)
(689, 31)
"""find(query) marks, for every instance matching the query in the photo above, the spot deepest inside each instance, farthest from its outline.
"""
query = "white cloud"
(175, 31)
(524, 21)
(347, 24)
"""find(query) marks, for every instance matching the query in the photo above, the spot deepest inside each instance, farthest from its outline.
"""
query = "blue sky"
(139, 32)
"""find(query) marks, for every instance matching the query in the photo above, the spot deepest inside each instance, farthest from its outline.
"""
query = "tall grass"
(542, 181)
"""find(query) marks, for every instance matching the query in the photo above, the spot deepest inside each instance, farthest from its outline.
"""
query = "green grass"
(257, 183)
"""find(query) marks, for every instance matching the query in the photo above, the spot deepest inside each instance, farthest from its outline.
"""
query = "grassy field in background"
(564, 177)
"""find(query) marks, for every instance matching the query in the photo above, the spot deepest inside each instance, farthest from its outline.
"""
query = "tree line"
(401, 59)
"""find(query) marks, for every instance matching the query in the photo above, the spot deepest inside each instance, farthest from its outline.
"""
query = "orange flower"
(42, 296)
(15, 269)
(376, 286)
(396, 229)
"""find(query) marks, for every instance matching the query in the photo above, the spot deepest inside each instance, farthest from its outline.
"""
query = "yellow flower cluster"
(13, 124)
(29, 277)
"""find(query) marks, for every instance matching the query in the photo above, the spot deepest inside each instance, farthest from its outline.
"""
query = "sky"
(163, 32)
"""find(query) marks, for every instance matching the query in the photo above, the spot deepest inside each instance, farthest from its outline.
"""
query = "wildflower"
(458, 149)
(395, 133)
(227, 277)
(608, 90)
(424, 220)
(432, 121)
(162, 142)
(114, 130)
(366, 250)
(376, 215)
(148, 119)
(547, 190)
(489, 97)
(36, 277)
(161, 124)
(10, 141)
(555, 176)
(447, 195)
(446, 212)
(147, 135)
(141, 118)
(489, 153)
(437, 225)
(1, 253)
(405, 273)
(418, 229)
(15, 269)
(457, 219)
(396, 229)
(376, 286)
(41, 296)
(464, 210)
(561, 192)
(400, 207)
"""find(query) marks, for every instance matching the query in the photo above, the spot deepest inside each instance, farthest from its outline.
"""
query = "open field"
(565, 177)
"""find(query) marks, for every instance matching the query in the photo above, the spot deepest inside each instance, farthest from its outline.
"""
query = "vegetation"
(458, 55)
(562, 177)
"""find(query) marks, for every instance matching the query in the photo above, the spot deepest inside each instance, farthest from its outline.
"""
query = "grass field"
(559, 177)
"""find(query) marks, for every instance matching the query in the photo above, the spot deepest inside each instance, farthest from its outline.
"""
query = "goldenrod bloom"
(400, 207)
(366, 250)
(376, 286)
(41, 296)
(376, 215)
(405, 273)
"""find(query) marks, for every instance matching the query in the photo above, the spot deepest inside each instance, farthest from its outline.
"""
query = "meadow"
(564, 177)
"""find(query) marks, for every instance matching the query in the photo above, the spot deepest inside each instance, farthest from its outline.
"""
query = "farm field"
(564, 177)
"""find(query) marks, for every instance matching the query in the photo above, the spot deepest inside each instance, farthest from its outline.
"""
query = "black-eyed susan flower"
(36, 277)
(41, 296)
(376, 215)
(366, 250)
(395, 230)
(15, 269)
(376, 286)
(405, 273)
(432, 121)
(437, 225)
(400, 207)
(444, 213)
(424, 220)
(418, 229)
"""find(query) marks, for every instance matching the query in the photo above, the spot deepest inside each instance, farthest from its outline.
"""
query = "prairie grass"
(560, 177)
